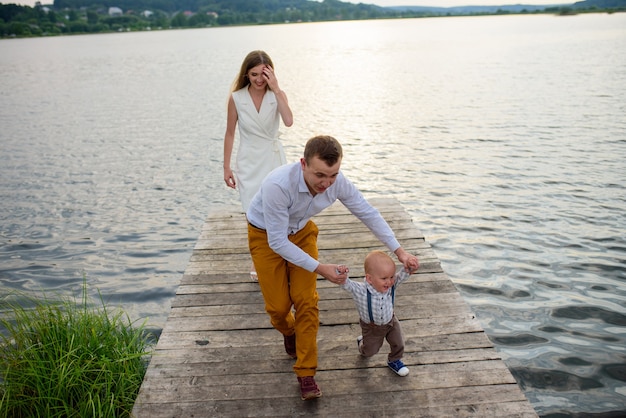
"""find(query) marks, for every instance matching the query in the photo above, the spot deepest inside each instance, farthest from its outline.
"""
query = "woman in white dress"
(256, 104)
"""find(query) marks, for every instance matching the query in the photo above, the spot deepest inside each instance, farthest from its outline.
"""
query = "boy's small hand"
(342, 269)
(414, 265)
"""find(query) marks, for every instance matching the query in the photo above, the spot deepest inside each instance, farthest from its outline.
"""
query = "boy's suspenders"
(369, 301)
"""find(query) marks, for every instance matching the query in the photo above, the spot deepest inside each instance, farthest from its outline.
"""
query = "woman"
(257, 104)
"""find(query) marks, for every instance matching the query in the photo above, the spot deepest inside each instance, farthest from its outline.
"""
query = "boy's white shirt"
(382, 303)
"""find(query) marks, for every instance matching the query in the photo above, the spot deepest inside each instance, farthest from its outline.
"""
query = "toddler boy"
(374, 298)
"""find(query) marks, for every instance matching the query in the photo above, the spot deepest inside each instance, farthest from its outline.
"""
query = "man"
(283, 245)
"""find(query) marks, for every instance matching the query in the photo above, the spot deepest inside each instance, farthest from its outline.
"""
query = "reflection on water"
(504, 137)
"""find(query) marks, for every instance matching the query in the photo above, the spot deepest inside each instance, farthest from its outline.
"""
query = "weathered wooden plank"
(426, 266)
(344, 220)
(191, 362)
(246, 293)
(346, 407)
(373, 401)
(377, 392)
(420, 248)
(212, 278)
(429, 305)
(269, 343)
(219, 356)
(385, 206)
(330, 224)
(330, 240)
(372, 380)
(219, 292)
(459, 323)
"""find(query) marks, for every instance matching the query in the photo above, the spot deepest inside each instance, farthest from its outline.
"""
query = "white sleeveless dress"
(260, 150)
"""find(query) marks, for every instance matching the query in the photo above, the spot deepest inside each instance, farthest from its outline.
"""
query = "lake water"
(504, 137)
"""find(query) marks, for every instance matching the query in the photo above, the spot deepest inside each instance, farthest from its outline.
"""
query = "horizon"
(457, 3)
(391, 3)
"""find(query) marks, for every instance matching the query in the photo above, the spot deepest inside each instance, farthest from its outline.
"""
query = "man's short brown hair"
(325, 147)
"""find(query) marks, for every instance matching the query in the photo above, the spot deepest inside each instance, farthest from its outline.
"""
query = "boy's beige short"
(374, 335)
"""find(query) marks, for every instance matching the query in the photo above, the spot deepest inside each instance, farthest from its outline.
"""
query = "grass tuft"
(68, 358)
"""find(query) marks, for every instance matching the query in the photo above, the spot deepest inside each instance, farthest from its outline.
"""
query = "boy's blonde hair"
(376, 258)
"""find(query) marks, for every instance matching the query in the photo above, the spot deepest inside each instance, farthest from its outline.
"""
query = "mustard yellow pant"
(285, 285)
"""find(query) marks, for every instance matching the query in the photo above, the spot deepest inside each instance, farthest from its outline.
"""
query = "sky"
(387, 3)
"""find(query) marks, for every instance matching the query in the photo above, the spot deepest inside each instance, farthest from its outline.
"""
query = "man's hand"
(335, 273)
(410, 262)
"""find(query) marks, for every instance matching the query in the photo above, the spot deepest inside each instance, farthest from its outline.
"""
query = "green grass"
(68, 358)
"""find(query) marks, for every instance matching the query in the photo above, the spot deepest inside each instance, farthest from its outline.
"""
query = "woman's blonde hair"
(253, 59)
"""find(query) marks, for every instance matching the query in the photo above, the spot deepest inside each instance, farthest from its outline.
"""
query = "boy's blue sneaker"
(398, 367)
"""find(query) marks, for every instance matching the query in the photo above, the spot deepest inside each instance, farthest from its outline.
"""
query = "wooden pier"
(218, 355)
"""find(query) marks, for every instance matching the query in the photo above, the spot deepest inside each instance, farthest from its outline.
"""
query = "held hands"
(229, 178)
(410, 262)
(335, 273)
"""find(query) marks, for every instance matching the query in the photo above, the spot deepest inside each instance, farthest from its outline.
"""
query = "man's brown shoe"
(308, 388)
(290, 345)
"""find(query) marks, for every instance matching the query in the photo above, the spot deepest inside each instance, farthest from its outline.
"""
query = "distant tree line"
(92, 16)
(95, 16)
